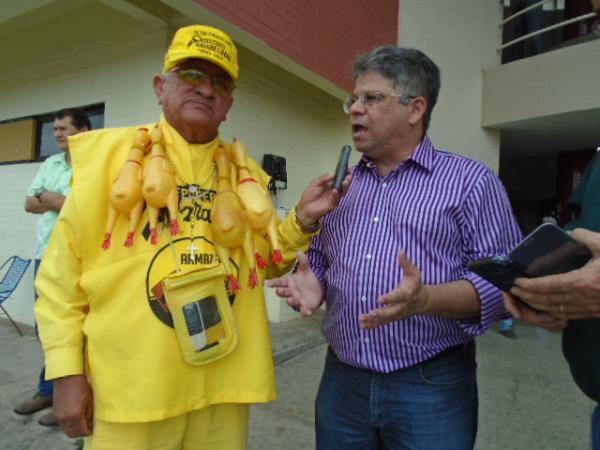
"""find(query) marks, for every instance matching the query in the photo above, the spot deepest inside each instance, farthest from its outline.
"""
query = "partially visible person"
(570, 296)
(569, 301)
(46, 196)
(574, 296)
(151, 343)
(507, 328)
(529, 22)
(390, 263)
(553, 216)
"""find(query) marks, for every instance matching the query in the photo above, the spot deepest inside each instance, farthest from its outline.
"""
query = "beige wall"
(557, 82)
(461, 36)
(99, 55)
(90, 55)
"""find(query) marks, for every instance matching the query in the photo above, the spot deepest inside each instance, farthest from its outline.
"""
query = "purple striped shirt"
(444, 210)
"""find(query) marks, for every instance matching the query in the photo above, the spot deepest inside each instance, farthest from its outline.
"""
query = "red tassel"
(260, 261)
(106, 242)
(233, 283)
(277, 257)
(253, 279)
(129, 240)
(174, 227)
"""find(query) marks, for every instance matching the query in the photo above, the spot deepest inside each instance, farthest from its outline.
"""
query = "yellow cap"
(203, 42)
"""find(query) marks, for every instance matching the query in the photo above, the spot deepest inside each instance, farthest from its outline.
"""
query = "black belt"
(451, 350)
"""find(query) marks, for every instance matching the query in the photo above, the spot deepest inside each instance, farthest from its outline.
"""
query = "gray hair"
(407, 68)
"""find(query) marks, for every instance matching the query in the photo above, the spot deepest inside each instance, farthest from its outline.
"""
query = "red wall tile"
(322, 35)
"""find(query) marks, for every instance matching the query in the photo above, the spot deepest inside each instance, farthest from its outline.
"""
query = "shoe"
(48, 420)
(510, 333)
(37, 403)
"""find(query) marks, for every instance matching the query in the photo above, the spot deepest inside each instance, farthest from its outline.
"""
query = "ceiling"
(551, 134)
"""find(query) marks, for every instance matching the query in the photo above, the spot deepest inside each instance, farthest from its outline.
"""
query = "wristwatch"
(38, 193)
(307, 229)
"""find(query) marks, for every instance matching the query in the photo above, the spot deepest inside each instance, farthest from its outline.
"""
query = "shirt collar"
(424, 156)
(62, 159)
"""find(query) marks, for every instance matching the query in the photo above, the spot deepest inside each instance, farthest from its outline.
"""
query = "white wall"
(558, 82)
(461, 37)
(96, 54)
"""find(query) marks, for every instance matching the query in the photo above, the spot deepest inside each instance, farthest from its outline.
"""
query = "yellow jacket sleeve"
(61, 308)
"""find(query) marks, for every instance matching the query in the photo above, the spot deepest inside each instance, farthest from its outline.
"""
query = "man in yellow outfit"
(118, 367)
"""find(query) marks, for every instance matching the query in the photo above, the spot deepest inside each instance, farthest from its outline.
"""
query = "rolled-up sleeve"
(490, 229)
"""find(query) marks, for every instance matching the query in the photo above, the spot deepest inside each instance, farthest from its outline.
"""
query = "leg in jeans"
(342, 409)
(44, 387)
(535, 22)
(431, 406)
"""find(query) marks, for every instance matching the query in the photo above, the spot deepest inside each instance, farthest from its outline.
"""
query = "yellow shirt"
(102, 300)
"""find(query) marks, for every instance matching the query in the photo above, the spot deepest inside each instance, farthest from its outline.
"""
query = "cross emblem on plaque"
(192, 248)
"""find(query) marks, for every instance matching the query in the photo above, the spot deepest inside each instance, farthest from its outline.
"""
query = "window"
(18, 140)
(31, 138)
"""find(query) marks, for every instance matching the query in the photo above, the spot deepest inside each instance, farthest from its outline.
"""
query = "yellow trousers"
(216, 427)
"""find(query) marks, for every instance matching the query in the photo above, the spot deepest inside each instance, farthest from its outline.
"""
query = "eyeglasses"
(221, 84)
(373, 99)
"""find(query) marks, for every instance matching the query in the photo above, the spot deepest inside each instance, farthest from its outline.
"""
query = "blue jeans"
(45, 388)
(430, 406)
(596, 428)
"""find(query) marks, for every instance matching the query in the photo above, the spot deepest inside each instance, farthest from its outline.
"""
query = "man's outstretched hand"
(408, 299)
(302, 289)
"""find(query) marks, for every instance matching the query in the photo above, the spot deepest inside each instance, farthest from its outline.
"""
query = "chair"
(16, 269)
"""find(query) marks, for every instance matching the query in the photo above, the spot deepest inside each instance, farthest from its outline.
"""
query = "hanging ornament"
(160, 188)
(126, 192)
(257, 203)
(229, 226)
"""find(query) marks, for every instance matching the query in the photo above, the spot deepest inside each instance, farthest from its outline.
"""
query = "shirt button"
(375, 219)
(369, 256)
(363, 299)
(366, 340)
(383, 184)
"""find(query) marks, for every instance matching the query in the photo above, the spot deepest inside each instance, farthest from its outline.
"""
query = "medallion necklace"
(194, 192)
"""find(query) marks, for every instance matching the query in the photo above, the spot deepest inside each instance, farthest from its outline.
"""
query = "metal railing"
(596, 26)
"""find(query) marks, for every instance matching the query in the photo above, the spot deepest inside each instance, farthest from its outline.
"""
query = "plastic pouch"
(202, 315)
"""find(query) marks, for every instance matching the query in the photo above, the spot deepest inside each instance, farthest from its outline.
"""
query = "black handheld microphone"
(342, 168)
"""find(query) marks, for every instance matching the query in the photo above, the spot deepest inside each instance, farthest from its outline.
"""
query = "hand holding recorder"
(547, 250)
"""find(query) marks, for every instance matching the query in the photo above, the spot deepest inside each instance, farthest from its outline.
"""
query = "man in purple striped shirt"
(390, 263)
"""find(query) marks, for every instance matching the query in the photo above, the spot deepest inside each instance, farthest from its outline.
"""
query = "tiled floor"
(527, 398)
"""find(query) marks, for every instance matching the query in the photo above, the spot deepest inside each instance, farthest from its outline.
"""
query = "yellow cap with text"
(203, 42)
